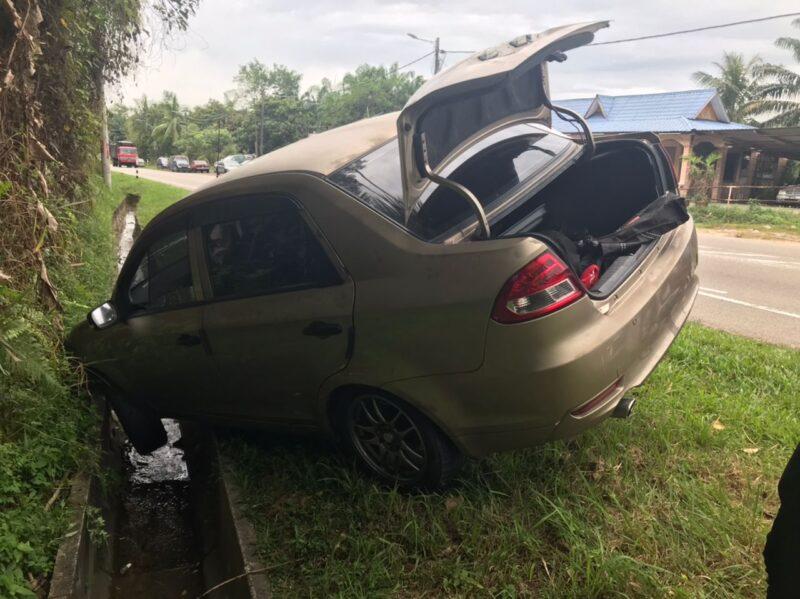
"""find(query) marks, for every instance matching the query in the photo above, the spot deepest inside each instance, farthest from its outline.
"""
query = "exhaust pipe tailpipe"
(624, 408)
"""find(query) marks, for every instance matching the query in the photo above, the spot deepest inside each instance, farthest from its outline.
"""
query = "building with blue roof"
(687, 122)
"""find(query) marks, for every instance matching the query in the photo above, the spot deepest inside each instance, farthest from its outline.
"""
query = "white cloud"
(323, 38)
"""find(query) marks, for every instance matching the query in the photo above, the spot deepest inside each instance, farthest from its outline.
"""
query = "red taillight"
(542, 286)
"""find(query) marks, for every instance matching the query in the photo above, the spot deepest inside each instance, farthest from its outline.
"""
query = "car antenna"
(569, 115)
(455, 186)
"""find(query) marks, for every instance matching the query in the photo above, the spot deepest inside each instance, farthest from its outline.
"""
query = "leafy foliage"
(702, 170)
(782, 91)
(738, 84)
(266, 111)
(48, 427)
(755, 92)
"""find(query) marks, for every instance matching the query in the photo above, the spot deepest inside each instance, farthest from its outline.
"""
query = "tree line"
(266, 110)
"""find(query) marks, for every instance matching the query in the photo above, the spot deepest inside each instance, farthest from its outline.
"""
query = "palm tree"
(738, 83)
(174, 121)
(781, 92)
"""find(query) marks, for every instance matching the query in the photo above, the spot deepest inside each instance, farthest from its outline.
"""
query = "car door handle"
(189, 340)
(322, 330)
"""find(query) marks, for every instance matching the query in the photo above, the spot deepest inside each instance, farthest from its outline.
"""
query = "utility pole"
(219, 121)
(261, 130)
(105, 155)
(438, 53)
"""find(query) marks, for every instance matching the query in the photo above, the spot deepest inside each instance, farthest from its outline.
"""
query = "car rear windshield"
(493, 170)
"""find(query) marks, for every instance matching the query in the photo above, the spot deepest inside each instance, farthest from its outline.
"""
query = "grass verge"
(47, 426)
(155, 196)
(674, 502)
(750, 220)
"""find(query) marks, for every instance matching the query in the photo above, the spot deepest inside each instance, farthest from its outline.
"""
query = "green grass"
(664, 504)
(766, 219)
(155, 196)
(47, 426)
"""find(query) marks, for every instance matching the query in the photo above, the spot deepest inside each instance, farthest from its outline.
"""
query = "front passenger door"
(161, 347)
(279, 318)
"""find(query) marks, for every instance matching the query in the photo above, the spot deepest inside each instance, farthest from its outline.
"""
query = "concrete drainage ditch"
(173, 526)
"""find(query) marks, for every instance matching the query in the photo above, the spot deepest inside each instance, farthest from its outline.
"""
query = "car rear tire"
(396, 443)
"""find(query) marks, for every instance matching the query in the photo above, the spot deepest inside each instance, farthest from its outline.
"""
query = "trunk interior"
(593, 198)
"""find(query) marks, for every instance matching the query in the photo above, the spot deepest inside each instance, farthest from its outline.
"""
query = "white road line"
(749, 305)
(711, 250)
(760, 261)
(720, 291)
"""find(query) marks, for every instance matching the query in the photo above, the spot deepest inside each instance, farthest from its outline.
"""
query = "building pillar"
(685, 166)
(780, 169)
(719, 173)
(749, 174)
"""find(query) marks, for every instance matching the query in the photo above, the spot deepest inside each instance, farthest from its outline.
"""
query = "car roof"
(323, 153)
(319, 153)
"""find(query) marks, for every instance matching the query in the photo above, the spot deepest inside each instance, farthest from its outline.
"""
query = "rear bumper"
(535, 374)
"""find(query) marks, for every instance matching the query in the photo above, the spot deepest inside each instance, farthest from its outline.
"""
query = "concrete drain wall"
(173, 527)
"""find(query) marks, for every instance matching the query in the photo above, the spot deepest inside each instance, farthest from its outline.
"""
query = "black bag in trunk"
(658, 217)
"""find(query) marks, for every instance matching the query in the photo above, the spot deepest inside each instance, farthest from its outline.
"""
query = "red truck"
(124, 153)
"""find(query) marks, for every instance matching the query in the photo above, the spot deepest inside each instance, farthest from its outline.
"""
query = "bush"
(48, 428)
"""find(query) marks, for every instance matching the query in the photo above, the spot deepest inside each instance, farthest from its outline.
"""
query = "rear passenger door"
(279, 319)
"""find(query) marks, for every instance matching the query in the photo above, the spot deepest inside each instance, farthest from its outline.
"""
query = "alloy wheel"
(386, 438)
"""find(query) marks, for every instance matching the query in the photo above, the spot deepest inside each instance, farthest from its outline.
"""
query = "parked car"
(141, 162)
(231, 162)
(420, 293)
(789, 194)
(162, 162)
(179, 163)
(199, 166)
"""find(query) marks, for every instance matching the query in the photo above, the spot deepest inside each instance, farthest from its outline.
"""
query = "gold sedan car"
(451, 280)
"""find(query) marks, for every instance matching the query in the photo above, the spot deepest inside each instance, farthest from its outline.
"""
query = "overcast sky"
(322, 38)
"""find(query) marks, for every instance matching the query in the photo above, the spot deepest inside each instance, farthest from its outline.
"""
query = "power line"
(408, 64)
(669, 34)
(695, 30)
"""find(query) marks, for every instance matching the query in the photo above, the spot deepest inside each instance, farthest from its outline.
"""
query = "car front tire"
(142, 426)
(396, 443)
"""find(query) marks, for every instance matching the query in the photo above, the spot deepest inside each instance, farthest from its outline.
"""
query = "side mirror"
(103, 316)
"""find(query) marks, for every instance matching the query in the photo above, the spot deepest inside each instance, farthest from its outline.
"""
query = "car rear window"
(493, 169)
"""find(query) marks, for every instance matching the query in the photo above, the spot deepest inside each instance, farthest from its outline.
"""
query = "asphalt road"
(747, 286)
(190, 181)
(750, 287)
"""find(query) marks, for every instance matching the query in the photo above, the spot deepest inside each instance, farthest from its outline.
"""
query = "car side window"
(163, 278)
(265, 253)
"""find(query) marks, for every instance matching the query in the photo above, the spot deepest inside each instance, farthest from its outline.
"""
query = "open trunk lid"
(496, 87)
